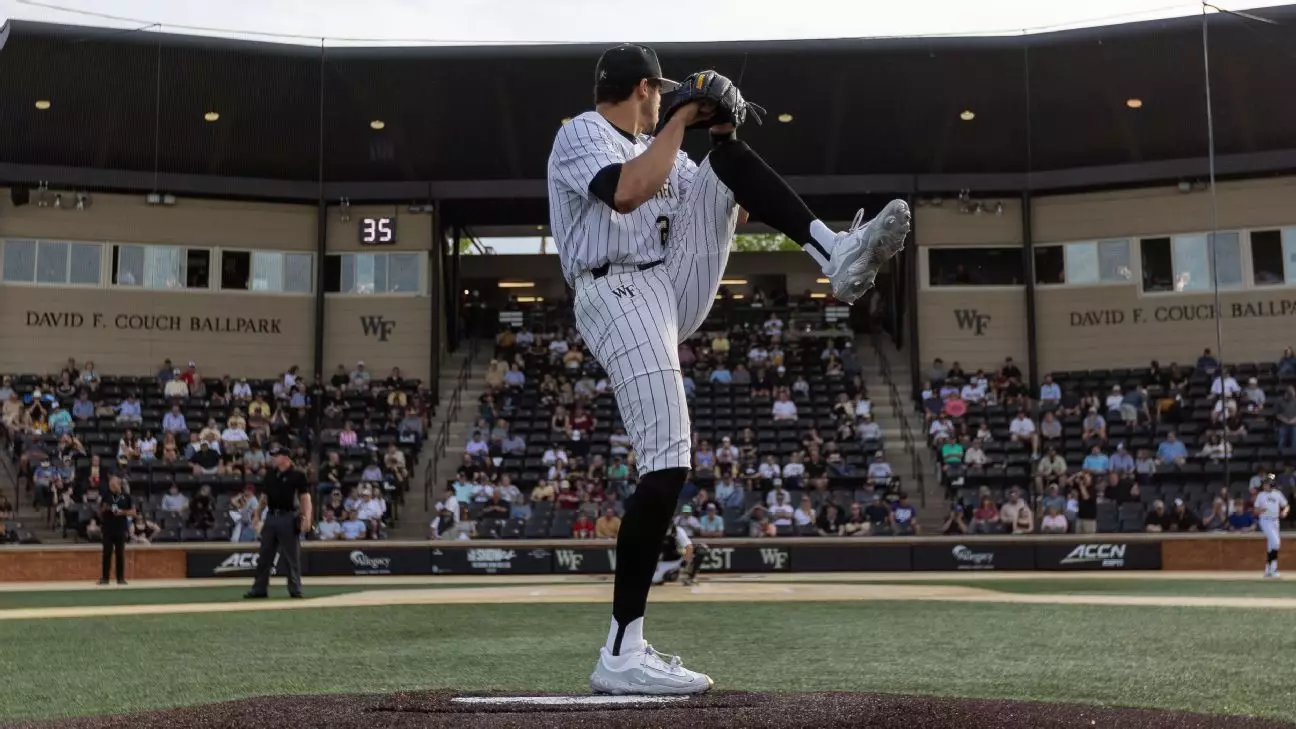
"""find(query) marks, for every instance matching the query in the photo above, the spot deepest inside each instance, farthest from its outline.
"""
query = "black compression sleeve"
(604, 184)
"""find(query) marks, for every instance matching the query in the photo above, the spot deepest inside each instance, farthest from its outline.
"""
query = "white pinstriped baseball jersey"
(1270, 504)
(587, 232)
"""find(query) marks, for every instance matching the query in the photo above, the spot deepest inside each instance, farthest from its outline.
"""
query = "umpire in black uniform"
(115, 509)
(284, 523)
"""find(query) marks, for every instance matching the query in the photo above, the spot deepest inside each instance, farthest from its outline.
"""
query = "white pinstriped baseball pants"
(1270, 527)
(633, 321)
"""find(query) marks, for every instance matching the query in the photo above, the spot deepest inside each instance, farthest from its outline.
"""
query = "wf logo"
(972, 320)
(624, 292)
(377, 326)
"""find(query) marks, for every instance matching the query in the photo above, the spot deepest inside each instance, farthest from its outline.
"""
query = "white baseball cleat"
(1274, 575)
(646, 672)
(862, 250)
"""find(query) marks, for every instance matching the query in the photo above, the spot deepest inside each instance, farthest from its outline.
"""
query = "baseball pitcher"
(643, 234)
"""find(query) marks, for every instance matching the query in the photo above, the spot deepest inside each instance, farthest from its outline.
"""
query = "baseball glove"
(716, 91)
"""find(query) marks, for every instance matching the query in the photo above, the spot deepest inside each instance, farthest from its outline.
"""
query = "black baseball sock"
(648, 512)
(762, 191)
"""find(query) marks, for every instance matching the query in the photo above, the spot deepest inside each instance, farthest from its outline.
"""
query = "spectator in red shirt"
(583, 528)
(583, 421)
(190, 374)
(567, 497)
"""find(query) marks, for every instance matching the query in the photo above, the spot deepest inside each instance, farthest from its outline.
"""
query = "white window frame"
(1244, 261)
(218, 276)
(421, 268)
(1287, 240)
(1135, 277)
(213, 275)
(67, 274)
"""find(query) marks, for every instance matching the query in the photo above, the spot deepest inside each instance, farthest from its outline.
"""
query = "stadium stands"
(191, 448)
(782, 435)
(1120, 450)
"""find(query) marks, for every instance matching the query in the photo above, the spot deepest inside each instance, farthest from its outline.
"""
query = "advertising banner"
(837, 557)
(1114, 555)
(491, 561)
(233, 562)
(585, 560)
(371, 561)
(973, 555)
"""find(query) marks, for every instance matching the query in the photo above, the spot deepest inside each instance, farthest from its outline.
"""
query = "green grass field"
(1203, 659)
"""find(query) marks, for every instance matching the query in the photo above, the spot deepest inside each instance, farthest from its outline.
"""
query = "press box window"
(1089, 262)
(372, 273)
(1273, 257)
(1186, 263)
(52, 263)
(267, 271)
(161, 267)
(975, 266)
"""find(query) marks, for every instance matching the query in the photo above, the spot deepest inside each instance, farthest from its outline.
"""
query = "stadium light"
(784, 118)
(43, 104)
(1134, 103)
(733, 282)
(211, 116)
(377, 124)
(517, 284)
(967, 115)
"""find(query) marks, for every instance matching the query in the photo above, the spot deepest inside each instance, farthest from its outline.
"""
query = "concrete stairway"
(919, 479)
(416, 516)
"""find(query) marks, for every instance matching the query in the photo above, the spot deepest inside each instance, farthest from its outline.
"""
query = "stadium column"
(455, 317)
(438, 298)
(321, 250)
(1028, 267)
(909, 259)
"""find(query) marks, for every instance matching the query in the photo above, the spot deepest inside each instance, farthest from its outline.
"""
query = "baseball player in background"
(643, 234)
(1270, 508)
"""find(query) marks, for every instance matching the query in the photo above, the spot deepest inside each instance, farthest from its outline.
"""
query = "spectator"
(829, 523)
(496, 507)
(609, 525)
(711, 525)
(1287, 364)
(328, 529)
(1121, 462)
(759, 524)
(804, 515)
(1022, 430)
(1216, 448)
(784, 409)
(1016, 516)
(1225, 385)
(148, 447)
(704, 460)
(1051, 469)
(985, 519)
(1145, 466)
(1216, 517)
(1157, 519)
(1182, 519)
(1053, 521)
(869, 431)
(1207, 362)
(360, 378)
(1171, 451)
(731, 497)
(83, 409)
(941, 430)
(353, 528)
(1241, 520)
(879, 516)
(721, 375)
(1094, 427)
(1253, 395)
(856, 524)
(1097, 461)
(207, 461)
(879, 471)
(1285, 417)
(904, 516)
(973, 456)
(954, 522)
(1050, 394)
(479, 450)
(60, 420)
(202, 509)
(129, 412)
(175, 501)
(583, 527)
(1050, 430)
(1053, 498)
(953, 453)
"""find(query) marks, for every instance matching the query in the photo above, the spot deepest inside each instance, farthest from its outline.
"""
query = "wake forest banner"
(68, 320)
(1169, 313)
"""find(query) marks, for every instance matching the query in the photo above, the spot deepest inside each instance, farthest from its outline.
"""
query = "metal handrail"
(443, 434)
(899, 406)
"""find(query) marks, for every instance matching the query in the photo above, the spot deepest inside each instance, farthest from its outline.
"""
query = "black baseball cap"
(277, 449)
(631, 62)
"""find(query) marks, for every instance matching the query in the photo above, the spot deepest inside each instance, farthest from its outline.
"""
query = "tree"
(764, 242)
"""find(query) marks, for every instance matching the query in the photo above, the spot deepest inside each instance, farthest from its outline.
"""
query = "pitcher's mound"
(460, 710)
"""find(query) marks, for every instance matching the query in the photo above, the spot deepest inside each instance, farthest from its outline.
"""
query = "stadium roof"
(476, 123)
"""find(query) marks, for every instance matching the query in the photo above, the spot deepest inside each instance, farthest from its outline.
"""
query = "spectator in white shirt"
(477, 448)
(175, 501)
(769, 470)
(868, 430)
(352, 528)
(1114, 399)
(242, 391)
(370, 512)
(176, 387)
(1225, 385)
(329, 529)
(973, 455)
(879, 471)
(775, 493)
(1022, 430)
(554, 456)
(805, 513)
(1012, 517)
(1053, 522)
(773, 326)
(941, 430)
(784, 409)
(972, 392)
(780, 511)
(234, 439)
(757, 355)
(793, 472)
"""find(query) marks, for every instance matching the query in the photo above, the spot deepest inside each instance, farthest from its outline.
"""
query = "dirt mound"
(459, 710)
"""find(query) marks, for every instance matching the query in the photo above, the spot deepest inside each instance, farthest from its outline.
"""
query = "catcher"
(643, 234)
